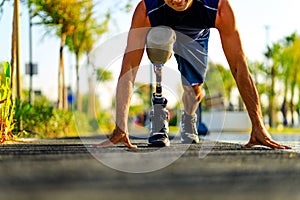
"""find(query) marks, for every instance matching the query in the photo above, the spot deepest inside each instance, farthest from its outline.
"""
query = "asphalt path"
(73, 169)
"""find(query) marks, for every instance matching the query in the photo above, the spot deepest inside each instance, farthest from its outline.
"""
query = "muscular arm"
(131, 61)
(232, 47)
(231, 43)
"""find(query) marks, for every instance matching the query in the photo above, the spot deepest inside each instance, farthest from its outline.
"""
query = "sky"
(252, 17)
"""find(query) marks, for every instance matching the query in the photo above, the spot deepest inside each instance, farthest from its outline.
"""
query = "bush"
(6, 104)
(42, 120)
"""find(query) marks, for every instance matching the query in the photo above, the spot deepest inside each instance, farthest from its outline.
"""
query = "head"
(179, 5)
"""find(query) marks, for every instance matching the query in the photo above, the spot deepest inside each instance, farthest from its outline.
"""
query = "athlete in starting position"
(193, 18)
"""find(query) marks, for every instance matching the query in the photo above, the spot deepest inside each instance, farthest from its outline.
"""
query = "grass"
(287, 130)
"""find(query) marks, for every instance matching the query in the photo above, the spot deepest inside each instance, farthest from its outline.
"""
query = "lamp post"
(31, 68)
(30, 58)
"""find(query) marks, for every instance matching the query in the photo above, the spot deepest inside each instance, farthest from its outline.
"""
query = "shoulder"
(152, 5)
(224, 8)
(213, 4)
(141, 7)
(140, 18)
(225, 19)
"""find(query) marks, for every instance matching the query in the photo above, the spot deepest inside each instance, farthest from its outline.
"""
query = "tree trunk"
(91, 98)
(15, 57)
(271, 98)
(78, 95)
(13, 51)
(61, 73)
(284, 104)
(293, 85)
(18, 49)
(65, 92)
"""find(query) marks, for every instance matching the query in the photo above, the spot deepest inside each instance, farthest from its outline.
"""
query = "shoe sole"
(159, 144)
(190, 142)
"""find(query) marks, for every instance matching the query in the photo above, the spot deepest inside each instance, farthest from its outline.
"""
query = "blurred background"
(49, 44)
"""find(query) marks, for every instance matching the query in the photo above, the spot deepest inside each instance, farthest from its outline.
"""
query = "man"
(193, 18)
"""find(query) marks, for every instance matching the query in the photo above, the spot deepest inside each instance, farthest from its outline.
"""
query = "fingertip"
(287, 147)
(132, 146)
(248, 145)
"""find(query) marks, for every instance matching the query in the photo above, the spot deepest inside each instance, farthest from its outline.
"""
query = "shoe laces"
(159, 121)
(188, 124)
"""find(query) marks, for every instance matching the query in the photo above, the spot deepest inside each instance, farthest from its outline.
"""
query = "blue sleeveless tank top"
(194, 22)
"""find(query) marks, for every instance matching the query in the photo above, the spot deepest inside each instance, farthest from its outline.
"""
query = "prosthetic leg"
(159, 44)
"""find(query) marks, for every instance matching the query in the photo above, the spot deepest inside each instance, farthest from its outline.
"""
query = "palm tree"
(219, 80)
(285, 61)
(83, 38)
(63, 16)
(273, 53)
(228, 80)
(259, 74)
(291, 58)
(284, 67)
(102, 76)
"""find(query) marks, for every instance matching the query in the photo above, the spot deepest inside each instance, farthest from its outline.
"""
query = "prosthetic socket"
(159, 47)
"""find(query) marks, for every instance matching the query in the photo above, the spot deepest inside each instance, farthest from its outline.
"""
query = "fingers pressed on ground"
(268, 143)
(116, 139)
(280, 146)
(106, 143)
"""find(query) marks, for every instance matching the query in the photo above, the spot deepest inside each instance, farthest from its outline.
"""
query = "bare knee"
(198, 91)
(194, 92)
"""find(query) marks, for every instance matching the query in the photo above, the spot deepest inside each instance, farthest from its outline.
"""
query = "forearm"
(249, 94)
(130, 65)
(231, 42)
(131, 60)
(238, 65)
(123, 98)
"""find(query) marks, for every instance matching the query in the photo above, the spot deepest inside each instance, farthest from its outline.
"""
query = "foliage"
(62, 124)
(74, 22)
(281, 69)
(83, 38)
(87, 31)
(6, 105)
(257, 70)
(290, 61)
(105, 122)
(1, 7)
(104, 75)
(34, 119)
(219, 81)
(42, 120)
(143, 92)
(62, 16)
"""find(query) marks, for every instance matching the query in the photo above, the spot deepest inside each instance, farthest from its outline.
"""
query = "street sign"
(31, 69)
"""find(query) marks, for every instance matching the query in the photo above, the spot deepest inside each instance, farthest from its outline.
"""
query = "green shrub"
(6, 104)
(42, 120)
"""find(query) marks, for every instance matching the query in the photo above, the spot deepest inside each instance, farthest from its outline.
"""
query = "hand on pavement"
(262, 137)
(118, 137)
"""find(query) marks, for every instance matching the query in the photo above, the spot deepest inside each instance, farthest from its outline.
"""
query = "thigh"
(192, 61)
